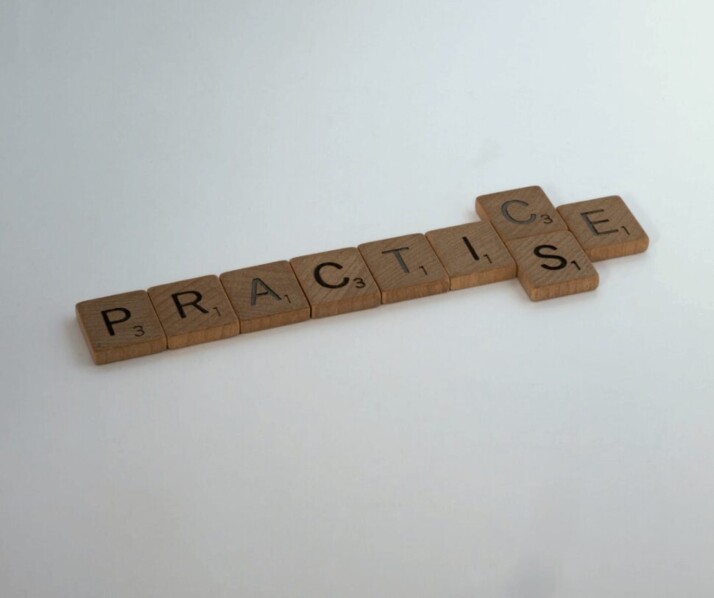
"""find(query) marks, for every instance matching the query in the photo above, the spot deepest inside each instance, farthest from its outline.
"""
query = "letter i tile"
(473, 254)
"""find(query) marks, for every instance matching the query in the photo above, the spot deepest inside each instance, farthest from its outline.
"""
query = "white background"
(468, 444)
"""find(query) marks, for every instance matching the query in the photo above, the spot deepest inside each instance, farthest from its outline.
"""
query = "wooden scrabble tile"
(520, 213)
(472, 254)
(405, 268)
(194, 311)
(336, 282)
(266, 296)
(605, 227)
(120, 327)
(552, 265)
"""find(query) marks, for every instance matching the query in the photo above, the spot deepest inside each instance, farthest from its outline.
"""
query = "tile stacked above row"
(522, 234)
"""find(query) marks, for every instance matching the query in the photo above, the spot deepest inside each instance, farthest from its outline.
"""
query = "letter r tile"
(266, 296)
(194, 311)
(552, 265)
(336, 282)
(405, 268)
(605, 227)
(520, 213)
(120, 327)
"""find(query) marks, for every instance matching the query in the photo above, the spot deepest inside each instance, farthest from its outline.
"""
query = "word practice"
(521, 234)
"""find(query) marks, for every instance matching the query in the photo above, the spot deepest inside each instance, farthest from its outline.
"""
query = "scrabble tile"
(120, 327)
(336, 282)
(266, 296)
(552, 265)
(605, 227)
(194, 311)
(405, 268)
(472, 254)
(520, 213)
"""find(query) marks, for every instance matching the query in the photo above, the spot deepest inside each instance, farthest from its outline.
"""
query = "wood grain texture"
(405, 267)
(552, 265)
(266, 296)
(472, 254)
(194, 311)
(519, 213)
(120, 327)
(336, 282)
(605, 227)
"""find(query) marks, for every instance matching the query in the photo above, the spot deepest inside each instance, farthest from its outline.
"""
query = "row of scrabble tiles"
(550, 250)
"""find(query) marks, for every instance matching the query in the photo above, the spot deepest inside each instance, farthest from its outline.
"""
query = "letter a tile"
(336, 282)
(405, 268)
(473, 254)
(266, 296)
(552, 266)
(520, 213)
(194, 311)
(120, 327)
(605, 227)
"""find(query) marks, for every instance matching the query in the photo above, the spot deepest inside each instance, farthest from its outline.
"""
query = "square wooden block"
(520, 213)
(553, 265)
(266, 296)
(405, 268)
(605, 227)
(120, 327)
(336, 282)
(472, 254)
(194, 311)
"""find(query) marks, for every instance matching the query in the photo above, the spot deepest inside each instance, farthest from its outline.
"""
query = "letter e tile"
(405, 268)
(552, 265)
(194, 311)
(120, 327)
(605, 227)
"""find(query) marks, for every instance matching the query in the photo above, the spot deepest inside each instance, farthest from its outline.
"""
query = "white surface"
(469, 444)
